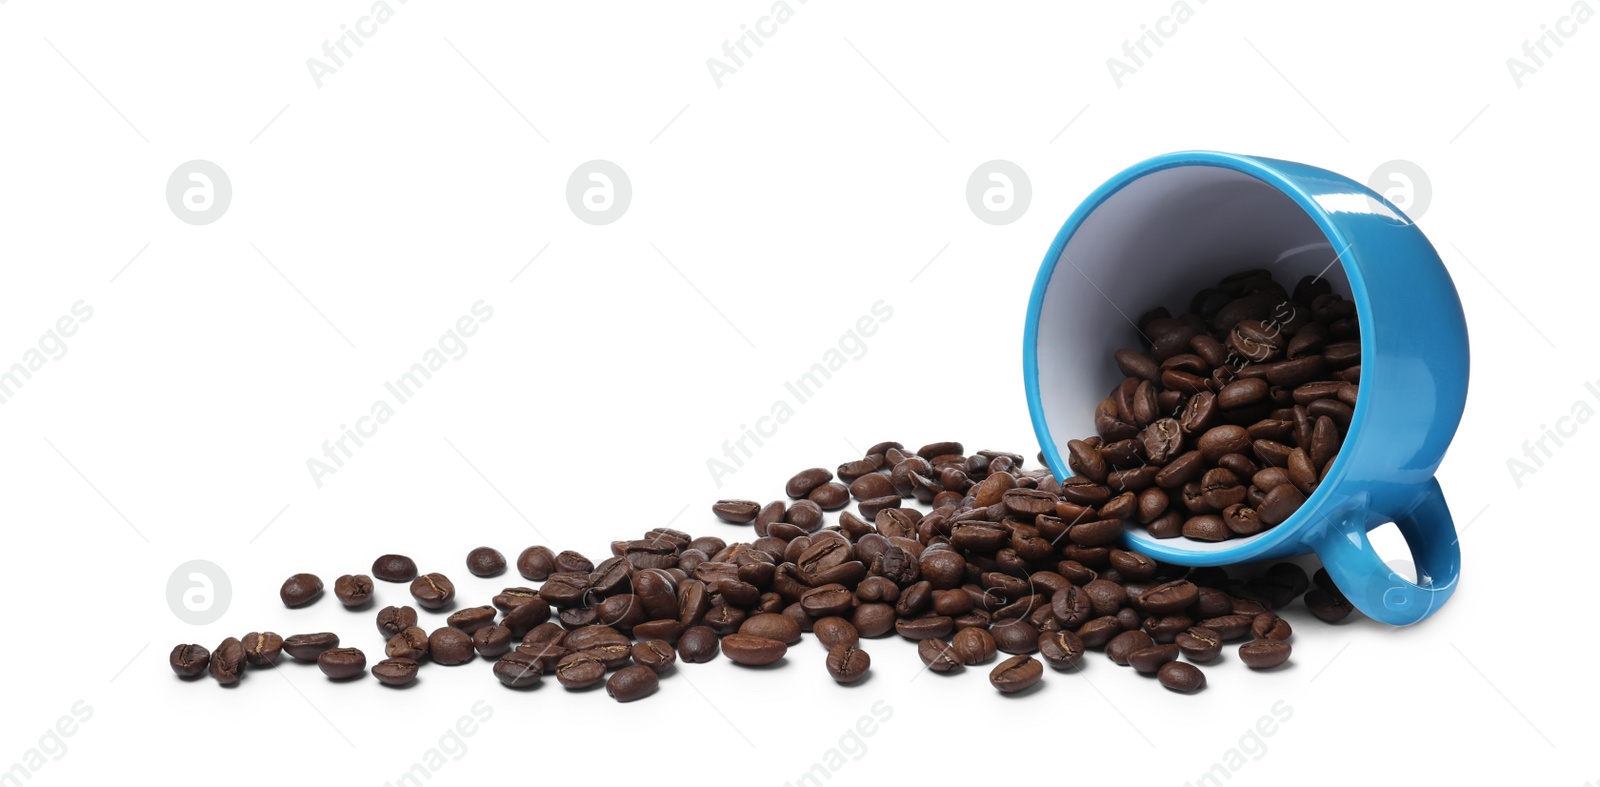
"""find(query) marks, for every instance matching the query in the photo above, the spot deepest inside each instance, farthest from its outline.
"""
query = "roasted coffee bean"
(450, 646)
(227, 662)
(394, 568)
(1264, 653)
(518, 670)
(1169, 598)
(1099, 631)
(1015, 636)
(805, 515)
(342, 663)
(736, 512)
(306, 647)
(1136, 364)
(972, 646)
(831, 496)
(581, 670)
(655, 654)
(698, 644)
(1166, 628)
(573, 562)
(1106, 596)
(536, 563)
(1230, 627)
(1199, 643)
(847, 663)
(1148, 660)
(1281, 503)
(923, 626)
(1328, 607)
(1123, 645)
(395, 672)
(1206, 527)
(1060, 649)
(632, 683)
(262, 648)
(1242, 393)
(300, 590)
(433, 591)
(1015, 674)
(492, 641)
(772, 626)
(832, 631)
(806, 480)
(751, 650)
(820, 602)
(1269, 626)
(393, 620)
(524, 617)
(511, 598)
(1181, 677)
(1220, 440)
(486, 562)
(189, 661)
(410, 643)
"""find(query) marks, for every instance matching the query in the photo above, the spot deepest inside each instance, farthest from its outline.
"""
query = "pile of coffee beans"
(1003, 566)
(1228, 418)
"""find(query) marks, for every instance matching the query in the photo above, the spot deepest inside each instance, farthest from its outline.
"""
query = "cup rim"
(1290, 530)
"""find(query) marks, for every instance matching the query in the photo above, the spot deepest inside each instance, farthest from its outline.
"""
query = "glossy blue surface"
(1413, 388)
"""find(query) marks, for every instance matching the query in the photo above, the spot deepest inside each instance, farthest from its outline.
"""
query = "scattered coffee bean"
(189, 661)
(342, 663)
(1015, 674)
(580, 670)
(848, 664)
(300, 590)
(261, 648)
(698, 645)
(1060, 649)
(394, 568)
(1264, 653)
(450, 646)
(1199, 644)
(307, 647)
(410, 643)
(633, 683)
(486, 562)
(752, 651)
(395, 672)
(393, 620)
(491, 641)
(536, 563)
(433, 591)
(227, 662)
(518, 670)
(1181, 677)
(975, 645)
(353, 590)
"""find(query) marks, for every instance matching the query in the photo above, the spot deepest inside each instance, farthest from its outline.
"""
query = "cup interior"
(1157, 241)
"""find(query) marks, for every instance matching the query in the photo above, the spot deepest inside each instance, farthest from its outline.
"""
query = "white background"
(824, 175)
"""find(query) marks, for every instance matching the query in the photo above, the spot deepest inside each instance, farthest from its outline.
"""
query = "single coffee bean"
(227, 662)
(1181, 677)
(1016, 674)
(581, 670)
(832, 632)
(300, 590)
(1169, 598)
(1199, 644)
(632, 683)
(831, 496)
(593, 637)
(1060, 649)
(924, 626)
(1328, 607)
(411, 643)
(847, 664)
(433, 591)
(976, 645)
(806, 480)
(471, 619)
(1220, 440)
(698, 644)
(393, 620)
(395, 672)
(262, 648)
(1230, 627)
(1015, 636)
(342, 663)
(938, 655)
(306, 647)
(511, 598)
(1264, 653)
(450, 646)
(536, 563)
(486, 562)
(518, 670)
(1206, 527)
(655, 654)
(573, 562)
(1148, 660)
(492, 641)
(736, 512)
(1098, 632)
(189, 661)
(752, 651)
(1281, 503)
(1269, 626)
(394, 568)
(353, 590)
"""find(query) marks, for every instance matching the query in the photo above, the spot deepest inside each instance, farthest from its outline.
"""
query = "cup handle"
(1379, 592)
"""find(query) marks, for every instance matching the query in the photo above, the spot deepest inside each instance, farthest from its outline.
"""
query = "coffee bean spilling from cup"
(1003, 563)
(1227, 419)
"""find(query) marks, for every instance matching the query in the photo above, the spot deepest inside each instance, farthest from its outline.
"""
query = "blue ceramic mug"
(1164, 229)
